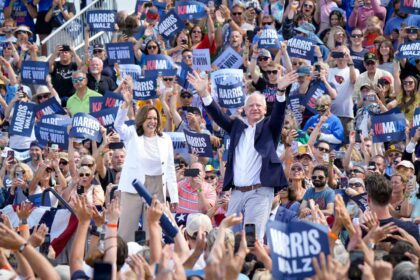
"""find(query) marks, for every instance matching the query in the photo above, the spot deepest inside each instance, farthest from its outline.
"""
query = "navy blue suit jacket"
(267, 137)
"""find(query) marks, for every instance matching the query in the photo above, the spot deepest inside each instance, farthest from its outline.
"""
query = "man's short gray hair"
(260, 96)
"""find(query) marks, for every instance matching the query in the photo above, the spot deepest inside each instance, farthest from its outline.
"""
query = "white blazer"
(132, 168)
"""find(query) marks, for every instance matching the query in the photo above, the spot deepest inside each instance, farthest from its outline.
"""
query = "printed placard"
(293, 245)
(315, 91)
(106, 117)
(416, 122)
(112, 100)
(201, 60)
(294, 105)
(198, 143)
(144, 88)
(226, 145)
(101, 20)
(23, 119)
(388, 128)
(188, 10)
(85, 126)
(54, 119)
(227, 86)
(300, 47)
(268, 39)
(179, 144)
(95, 103)
(170, 25)
(121, 53)
(48, 133)
(49, 107)
(182, 74)
(34, 72)
(228, 59)
(159, 64)
(410, 7)
(409, 50)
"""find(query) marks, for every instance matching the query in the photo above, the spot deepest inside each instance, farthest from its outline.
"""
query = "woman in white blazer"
(150, 159)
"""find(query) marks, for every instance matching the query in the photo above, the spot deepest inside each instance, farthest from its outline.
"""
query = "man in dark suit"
(253, 169)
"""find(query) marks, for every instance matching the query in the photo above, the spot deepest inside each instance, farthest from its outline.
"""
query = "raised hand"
(287, 80)
(38, 235)
(155, 210)
(81, 208)
(24, 210)
(198, 83)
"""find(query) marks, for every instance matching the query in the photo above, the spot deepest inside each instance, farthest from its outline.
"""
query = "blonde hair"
(28, 174)
(331, 40)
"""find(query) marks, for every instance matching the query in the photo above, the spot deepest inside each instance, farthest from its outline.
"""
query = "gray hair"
(405, 270)
(259, 95)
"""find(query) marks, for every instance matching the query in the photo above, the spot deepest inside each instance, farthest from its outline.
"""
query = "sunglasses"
(210, 177)
(267, 23)
(84, 175)
(297, 63)
(97, 51)
(356, 171)
(63, 162)
(188, 56)
(318, 178)
(77, 80)
(355, 185)
(394, 155)
(237, 14)
(324, 150)
(196, 31)
(406, 83)
(263, 58)
(356, 35)
(20, 171)
(186, 96)
(273, 72)
(296, 169)
(42, 96)
(322, 107)
(168, 79)
(370, 63)
(308, 6)
(153, 47)
(90, 165)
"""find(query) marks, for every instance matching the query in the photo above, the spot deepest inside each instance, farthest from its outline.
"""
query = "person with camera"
(195, 194)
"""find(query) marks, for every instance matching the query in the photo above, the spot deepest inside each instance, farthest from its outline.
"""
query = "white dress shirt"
(247, 162)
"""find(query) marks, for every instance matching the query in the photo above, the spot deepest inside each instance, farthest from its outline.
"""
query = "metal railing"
(72, 31)
(59, 197)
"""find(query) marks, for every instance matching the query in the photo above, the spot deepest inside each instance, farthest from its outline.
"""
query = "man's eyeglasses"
(318, 178)
(370, 63)
(267, 23)
(273, 72)
(356, 35)
(90, 165)
(186, 96)
(77, 80)
(210, 177)
(168, 79)
(263, 58)
(81, 175)
(355, 185)
(63, 162)
(42, 96)
(97, 51)
(324, 150)
(356, 171)
(236, 14)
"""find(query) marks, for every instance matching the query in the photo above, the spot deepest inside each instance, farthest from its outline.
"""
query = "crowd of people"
(322, 163)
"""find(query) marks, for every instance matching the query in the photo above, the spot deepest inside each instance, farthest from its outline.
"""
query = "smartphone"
(148, 4)
(370, 98)
(65, 48)
(11, 155)
(112, 192)
(344, 182)
(19, 175)
(140, 237)
(372, 166)
(184, 42)
(325, 157)
(238, 239)
(250, 35)
(356, 258)
(193, 172)
(116, 145)
(102, 271)
(250, 234)
(43, 249)
(411, 30)
(54, 147)
(318, 68)
(80, 190)
(337, 55)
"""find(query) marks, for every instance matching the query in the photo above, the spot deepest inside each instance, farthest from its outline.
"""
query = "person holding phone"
(150, 159)
(196, 195)
(364, 9)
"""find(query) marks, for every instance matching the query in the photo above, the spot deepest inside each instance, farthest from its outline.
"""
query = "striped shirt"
(188, 197)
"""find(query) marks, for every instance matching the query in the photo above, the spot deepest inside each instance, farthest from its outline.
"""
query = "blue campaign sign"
(388, 128)
(209, 3)
(361, 201)
(293, 102)
(139, 4)
(158, 64)
(316, 89)
(416, 122)
(50, 133)
(170, 25)
(121, 53)
(106, 117)
(300, 47)
(58, 120)
(268, 39)
(226, 145)
(198, 143)
(23, 119)
(231, 96)
(182, 74)
(34, 72)
(101, 20)
(95, 103)
(112, 100)
(144, 88)
(410, 7)
(49, 107)
(139, 32)
(409, 50)
(293, 245)
(188, 10)
(85, 126)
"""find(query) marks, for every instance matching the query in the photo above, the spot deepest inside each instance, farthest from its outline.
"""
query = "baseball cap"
(264, 53)
(406, 164)
(386, 78)
(304, 71)
(306, 28)
(303, 151)
(393, 148)
(98, 47)
(185, 93)
(23, 28)
(197, 221)
(369, 57)
(152, 14)
(209, 168)
(35, 144)
(367, 85)
(64, 156)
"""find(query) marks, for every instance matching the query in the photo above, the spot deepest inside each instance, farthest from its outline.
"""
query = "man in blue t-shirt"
(321, 194)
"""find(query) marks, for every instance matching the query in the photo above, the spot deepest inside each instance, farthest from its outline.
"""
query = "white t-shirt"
(151, 157)
(342, 105)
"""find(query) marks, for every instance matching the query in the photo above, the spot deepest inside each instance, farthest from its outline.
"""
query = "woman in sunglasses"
(201, 40)
(297, 180)
(409, 97)
(181, 42)
(152, 46)
(20, 177)
(84, 184)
